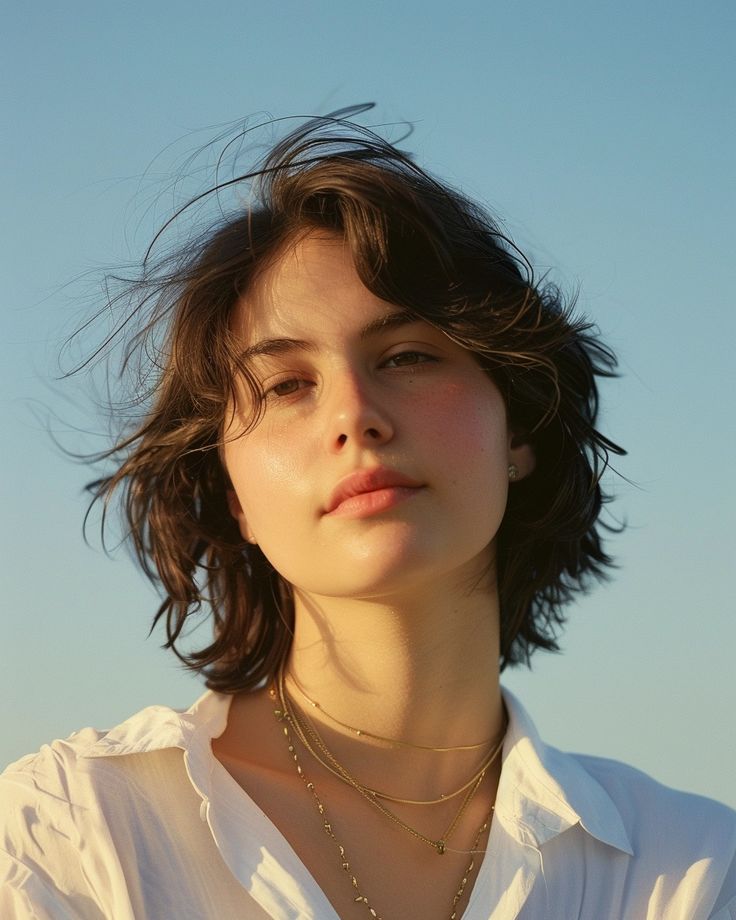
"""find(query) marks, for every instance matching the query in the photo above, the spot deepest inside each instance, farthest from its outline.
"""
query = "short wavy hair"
(418, 244)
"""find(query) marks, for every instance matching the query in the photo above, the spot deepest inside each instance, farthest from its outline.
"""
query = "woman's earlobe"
(236, 510)
(233, 504)
(522, 460)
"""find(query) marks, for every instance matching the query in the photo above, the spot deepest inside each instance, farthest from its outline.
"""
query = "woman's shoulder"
(605, 791)
(62, 768)
(683, 842)
(615, 831)
(47, 774)
(615, 822)
(50, 791)
(69, 810)
(53, 770)
(652, 809)
(44, 826)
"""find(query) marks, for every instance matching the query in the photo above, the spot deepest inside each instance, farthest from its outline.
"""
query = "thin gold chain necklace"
(439, 845)
(310, 737)
(359, 897)
(394, 742)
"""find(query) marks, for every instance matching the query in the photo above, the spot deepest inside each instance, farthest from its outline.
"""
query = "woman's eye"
(286, 387)
(409, 358)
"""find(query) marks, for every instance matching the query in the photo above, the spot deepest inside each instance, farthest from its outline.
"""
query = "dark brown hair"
(417, 244)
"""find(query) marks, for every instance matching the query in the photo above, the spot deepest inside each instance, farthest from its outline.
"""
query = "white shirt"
(143, 822)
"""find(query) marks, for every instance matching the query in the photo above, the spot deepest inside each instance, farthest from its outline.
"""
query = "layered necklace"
(292, 720)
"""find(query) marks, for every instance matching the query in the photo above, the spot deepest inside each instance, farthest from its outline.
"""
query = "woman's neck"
(422, 669)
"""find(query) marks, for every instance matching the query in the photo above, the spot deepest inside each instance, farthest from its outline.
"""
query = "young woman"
(370, 450)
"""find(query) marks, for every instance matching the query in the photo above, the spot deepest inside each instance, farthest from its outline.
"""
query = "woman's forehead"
(312, 285)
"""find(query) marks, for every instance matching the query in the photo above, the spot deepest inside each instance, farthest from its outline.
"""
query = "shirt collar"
(157, 727)
(542, 791)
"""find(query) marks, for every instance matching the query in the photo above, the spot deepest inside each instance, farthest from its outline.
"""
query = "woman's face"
(381, 459)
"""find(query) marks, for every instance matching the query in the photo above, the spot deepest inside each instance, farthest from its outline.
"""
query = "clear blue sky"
(603, 134)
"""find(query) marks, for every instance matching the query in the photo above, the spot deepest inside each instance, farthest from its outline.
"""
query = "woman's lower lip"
(367, 503)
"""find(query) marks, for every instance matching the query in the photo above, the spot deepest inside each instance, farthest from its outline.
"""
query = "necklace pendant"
(440, 847)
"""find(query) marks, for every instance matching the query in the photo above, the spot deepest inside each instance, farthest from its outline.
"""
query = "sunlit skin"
(396, 603)
(406, 398)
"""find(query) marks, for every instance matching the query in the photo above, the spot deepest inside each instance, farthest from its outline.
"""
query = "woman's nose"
(356, 414)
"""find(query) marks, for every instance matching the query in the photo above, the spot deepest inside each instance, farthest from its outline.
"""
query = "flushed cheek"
(472, 445)
(469, 424)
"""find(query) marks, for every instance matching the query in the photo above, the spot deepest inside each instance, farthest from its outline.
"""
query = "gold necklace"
(439, 845)
(309, 735)
(359, 897)
(394, 742)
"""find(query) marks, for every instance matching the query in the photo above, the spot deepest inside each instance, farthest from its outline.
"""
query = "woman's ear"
(236, 510)
(521, 457)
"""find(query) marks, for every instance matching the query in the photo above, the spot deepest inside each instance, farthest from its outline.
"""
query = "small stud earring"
(513, 472)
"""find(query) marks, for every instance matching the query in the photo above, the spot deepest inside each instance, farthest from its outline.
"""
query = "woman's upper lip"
(368, 480)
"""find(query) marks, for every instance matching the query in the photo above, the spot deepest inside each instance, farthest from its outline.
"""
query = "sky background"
(601, 134)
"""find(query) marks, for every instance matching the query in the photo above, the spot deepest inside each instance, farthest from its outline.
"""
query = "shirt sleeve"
(27, 895)
(42, 876)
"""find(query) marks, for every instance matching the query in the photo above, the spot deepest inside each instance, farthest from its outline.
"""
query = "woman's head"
(361, 473)
(437, 260)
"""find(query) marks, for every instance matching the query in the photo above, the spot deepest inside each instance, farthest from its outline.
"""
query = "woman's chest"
(367, 864)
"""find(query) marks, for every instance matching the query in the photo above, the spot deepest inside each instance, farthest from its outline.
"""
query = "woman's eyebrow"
(391, 320)
(276, 347)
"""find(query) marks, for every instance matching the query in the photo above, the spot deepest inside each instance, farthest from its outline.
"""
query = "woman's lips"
(368, 491)
(366, 504)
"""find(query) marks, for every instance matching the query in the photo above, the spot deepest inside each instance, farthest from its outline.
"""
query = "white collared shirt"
(144, 823)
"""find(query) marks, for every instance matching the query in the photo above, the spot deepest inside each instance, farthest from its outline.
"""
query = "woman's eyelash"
(285, 387)
(410, 357)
